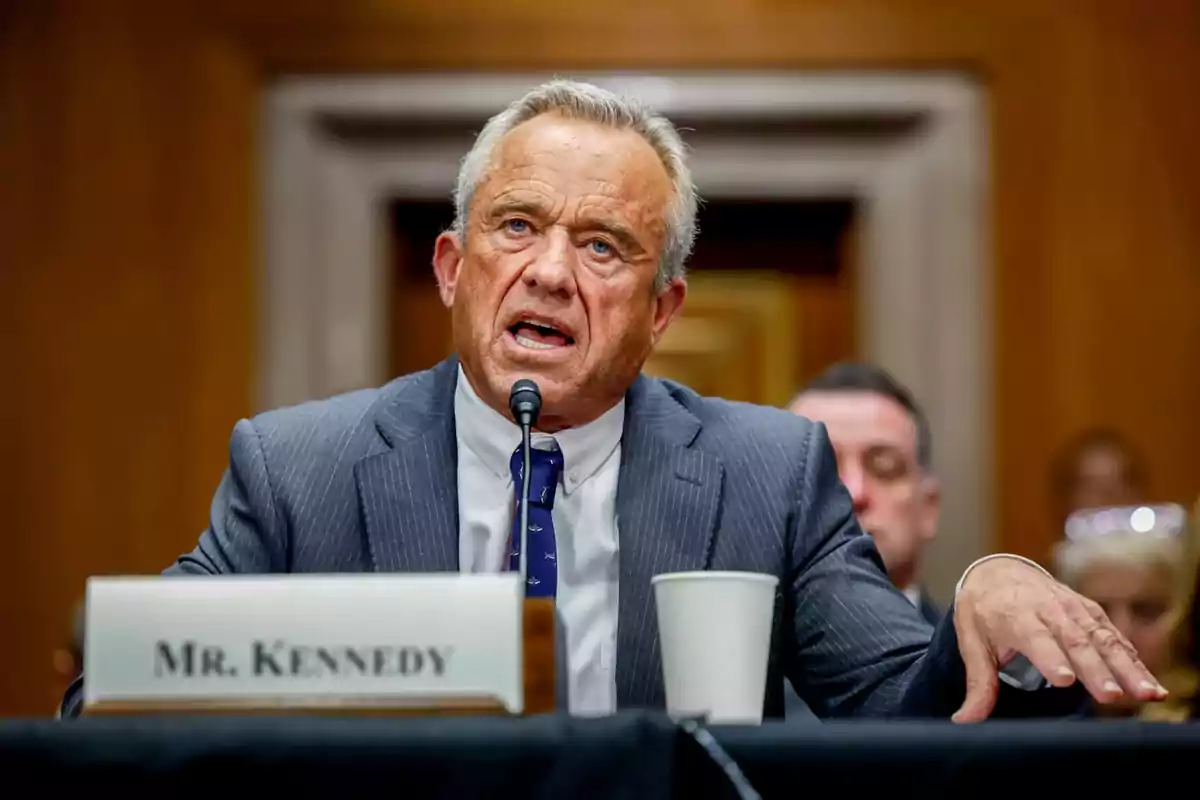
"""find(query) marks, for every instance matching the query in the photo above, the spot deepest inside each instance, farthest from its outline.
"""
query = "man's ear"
(447, 261)
(667, 305)
(931, 506)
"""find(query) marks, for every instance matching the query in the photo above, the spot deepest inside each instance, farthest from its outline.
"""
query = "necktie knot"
(545, 467)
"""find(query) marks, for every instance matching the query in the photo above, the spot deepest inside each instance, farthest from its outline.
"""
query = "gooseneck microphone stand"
(525, 403)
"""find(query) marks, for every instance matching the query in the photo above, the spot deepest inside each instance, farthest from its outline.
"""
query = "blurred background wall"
(130, 233)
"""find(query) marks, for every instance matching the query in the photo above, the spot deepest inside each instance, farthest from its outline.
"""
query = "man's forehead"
(616, 157)
(859, 417)
(552, 128)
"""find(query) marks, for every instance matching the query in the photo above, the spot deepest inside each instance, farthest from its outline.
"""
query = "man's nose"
(553, 271)
(856, 484)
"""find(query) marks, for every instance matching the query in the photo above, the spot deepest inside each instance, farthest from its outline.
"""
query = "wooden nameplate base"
(538, 646)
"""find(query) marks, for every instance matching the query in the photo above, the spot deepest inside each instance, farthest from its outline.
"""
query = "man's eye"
(518, 226)
(886, 466)
(600, 247)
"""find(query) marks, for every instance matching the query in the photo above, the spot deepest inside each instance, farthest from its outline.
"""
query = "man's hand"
(1007, 607)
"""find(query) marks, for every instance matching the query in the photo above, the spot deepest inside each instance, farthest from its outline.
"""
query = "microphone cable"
(712, 748)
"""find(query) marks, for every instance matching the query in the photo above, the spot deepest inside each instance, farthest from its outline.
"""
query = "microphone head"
(525, 402)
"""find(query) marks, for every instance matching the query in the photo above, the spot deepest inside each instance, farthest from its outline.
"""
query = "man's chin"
(549, 375)
(551, 386)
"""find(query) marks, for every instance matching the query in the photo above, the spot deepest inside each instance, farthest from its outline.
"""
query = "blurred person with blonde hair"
(1182, 679)
(1133, 566)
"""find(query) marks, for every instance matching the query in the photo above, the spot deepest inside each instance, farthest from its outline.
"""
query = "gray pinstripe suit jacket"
(367, 482)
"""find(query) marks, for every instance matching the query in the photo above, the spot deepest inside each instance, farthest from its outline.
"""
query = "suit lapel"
(668, 498)
(408, 492)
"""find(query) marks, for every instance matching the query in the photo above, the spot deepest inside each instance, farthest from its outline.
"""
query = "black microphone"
(525, 403)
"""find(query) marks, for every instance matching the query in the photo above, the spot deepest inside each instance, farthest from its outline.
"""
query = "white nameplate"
(399, 640)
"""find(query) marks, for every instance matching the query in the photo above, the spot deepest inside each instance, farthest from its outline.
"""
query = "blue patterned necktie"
(545, 466)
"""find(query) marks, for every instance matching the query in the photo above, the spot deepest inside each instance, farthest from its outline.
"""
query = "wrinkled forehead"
(575, 166)
(860, 420)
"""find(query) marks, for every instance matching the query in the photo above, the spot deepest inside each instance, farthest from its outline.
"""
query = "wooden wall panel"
(128, 260)
(128, 224)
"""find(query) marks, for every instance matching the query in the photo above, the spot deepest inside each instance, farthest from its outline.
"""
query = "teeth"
(524, 342)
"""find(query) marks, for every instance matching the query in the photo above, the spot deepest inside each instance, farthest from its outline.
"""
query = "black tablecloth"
(630, 755)
(1076, 759)
(624, 756)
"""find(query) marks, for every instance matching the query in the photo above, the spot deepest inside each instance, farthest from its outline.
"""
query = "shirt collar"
(493, 437)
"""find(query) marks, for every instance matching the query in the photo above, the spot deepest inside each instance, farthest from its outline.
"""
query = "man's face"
(875, 440)
(555, 278)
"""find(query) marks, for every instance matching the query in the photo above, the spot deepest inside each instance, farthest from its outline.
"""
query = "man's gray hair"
(584, 101)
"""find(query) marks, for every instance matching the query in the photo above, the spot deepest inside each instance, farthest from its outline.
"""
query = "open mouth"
(539, 335)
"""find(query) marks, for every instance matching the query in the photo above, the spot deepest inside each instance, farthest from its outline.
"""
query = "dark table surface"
(630, 755)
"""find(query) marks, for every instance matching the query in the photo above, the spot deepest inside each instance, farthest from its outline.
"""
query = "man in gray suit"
(575, 215)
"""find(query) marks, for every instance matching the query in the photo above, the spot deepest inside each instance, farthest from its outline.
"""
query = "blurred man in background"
(1099, 468)
(884, 454)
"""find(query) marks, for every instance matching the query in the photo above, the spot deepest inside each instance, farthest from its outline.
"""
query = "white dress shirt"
(585, 530)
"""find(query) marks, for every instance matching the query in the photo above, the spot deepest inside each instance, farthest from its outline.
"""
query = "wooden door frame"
(919, 178)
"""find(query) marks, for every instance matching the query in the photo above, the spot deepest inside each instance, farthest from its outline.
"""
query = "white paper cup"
(714, 629)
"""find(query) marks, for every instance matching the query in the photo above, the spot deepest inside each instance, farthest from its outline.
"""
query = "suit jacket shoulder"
(289, 499)
(769, 457)
(724, 418)
(318, 432)
(745, 435)
(313, 436)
